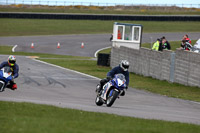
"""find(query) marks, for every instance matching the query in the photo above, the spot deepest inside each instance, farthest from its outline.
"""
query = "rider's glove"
(108, 78)
(126, 87)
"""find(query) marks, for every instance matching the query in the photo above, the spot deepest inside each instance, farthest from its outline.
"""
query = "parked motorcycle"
(5, 77)
(111, 90)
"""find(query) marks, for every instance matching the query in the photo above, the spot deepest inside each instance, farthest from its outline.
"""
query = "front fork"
(106, 89)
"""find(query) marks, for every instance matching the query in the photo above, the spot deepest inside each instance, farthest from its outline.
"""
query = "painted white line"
(195, 102)
(13, 49)
(95, 55)
(61, 77)
(67, 69)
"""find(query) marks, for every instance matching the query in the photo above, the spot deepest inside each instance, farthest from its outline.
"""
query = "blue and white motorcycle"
(5, 77)
(111, 90)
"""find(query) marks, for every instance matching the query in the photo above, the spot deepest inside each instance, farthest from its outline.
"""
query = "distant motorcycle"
(5, 77)
(111, 90)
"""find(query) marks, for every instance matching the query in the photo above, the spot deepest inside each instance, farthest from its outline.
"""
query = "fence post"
(151, 42)
(172, 67)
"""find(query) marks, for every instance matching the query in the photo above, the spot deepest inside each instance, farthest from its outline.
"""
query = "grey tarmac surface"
(46, 84)
(71, 44)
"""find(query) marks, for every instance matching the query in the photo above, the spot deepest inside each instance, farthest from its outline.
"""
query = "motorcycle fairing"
(106, 88)
(5, 74)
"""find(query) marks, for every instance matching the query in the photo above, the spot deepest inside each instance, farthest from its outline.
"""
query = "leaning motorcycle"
(111, 90)
(5, 77)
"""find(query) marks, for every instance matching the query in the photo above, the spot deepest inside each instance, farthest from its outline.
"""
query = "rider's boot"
(14, 86)
(98, 88)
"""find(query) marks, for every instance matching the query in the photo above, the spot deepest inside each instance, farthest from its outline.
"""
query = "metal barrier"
(103, 59)
(100, 17)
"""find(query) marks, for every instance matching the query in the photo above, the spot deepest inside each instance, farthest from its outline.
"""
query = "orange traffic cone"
(82, 45)
(32, 45)
(58, 46)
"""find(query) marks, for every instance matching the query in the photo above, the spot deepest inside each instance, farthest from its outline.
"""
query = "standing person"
(157, 45)
(185, 37)
(186, 45)
(121, 68)
(111, 38)
(165, 44)
(14, 68)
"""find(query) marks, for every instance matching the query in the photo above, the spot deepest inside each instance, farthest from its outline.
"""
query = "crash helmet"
(11, 60)
(124, 65)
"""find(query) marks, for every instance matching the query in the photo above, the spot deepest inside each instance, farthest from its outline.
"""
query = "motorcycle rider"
(14, 68)
(121, 68)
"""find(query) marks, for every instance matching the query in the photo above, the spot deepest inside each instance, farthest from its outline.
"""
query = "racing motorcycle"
(5, 77)
(111, 90)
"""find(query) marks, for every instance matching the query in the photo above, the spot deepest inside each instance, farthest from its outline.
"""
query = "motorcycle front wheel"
(111, 99)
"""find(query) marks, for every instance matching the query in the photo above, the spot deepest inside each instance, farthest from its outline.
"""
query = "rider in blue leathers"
(14, 68)
(122, 68)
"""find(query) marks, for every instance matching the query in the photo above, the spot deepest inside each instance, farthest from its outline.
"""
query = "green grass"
(106, 51)
(26, 27)
(85, 65)
(33, 118)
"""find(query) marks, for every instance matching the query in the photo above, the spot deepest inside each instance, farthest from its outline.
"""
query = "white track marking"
(67, 69)
(95, 55)
(61, 77)
(13, 49)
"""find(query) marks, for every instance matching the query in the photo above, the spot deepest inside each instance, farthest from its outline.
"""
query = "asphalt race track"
(71, 44)
(43, 83)
(46, 84)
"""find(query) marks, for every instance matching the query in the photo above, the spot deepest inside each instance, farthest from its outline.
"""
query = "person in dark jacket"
(14, 68)
(186, 38)
(165, 44)
(121, 68)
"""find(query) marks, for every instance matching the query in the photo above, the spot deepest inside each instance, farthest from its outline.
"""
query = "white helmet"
(124, 65)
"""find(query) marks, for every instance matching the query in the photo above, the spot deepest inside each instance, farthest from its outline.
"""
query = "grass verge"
(24, 27)
(33, 118)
